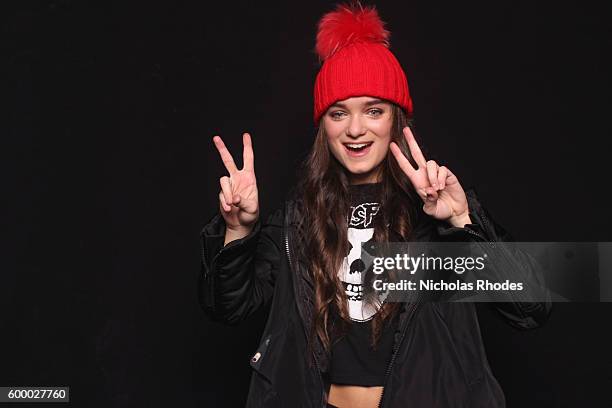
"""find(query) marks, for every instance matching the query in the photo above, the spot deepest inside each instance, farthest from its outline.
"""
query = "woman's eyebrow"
(368, 103)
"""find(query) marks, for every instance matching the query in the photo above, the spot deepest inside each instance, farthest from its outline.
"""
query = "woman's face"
(358, 133)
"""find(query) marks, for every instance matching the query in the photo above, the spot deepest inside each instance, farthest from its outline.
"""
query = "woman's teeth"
(357, 146)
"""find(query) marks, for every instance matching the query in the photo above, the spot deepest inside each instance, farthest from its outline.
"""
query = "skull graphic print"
(360, 230)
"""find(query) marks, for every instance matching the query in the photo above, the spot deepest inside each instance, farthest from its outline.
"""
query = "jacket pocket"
(259, 359)
(262, 391)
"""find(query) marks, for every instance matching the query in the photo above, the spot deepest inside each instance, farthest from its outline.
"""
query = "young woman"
(366, 179)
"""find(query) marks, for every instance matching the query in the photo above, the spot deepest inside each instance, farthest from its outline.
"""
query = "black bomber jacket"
(438, 355)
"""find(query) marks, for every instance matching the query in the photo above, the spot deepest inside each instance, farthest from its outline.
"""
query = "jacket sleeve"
(238, 278)
(527, 309)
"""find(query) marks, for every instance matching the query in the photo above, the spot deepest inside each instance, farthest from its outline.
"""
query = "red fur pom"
(349, 24)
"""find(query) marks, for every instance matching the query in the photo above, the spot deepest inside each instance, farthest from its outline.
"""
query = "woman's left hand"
(443, 196)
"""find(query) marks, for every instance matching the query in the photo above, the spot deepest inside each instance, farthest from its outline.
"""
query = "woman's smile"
(358, 149)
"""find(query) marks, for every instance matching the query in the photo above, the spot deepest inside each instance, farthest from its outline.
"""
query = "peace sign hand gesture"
(443, 196)
(238, 198)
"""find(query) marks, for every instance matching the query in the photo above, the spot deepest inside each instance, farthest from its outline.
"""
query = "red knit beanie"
(353, 45)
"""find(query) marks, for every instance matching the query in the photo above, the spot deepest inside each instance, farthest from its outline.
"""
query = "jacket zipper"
(486, 223)
(483, 239)
(323, 403)
(393, 357)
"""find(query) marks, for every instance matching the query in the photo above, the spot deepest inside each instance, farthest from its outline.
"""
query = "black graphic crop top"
(353, 360)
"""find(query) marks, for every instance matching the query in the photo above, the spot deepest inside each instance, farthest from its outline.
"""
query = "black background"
(110, 173)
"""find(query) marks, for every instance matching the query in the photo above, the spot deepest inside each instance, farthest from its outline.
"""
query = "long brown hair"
(324, 190)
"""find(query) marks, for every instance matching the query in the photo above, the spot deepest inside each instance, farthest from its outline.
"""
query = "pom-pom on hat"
(353, 46)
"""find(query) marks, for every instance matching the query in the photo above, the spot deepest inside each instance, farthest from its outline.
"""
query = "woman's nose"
(355, 127)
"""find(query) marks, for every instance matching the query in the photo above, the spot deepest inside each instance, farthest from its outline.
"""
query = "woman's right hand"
(238, 198)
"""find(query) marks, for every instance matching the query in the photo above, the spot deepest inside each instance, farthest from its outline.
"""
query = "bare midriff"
(354, 396)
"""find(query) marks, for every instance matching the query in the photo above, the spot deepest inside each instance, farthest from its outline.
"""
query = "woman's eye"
(340, 114)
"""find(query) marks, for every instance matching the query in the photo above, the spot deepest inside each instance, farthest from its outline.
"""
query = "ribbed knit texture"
(361, 69)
